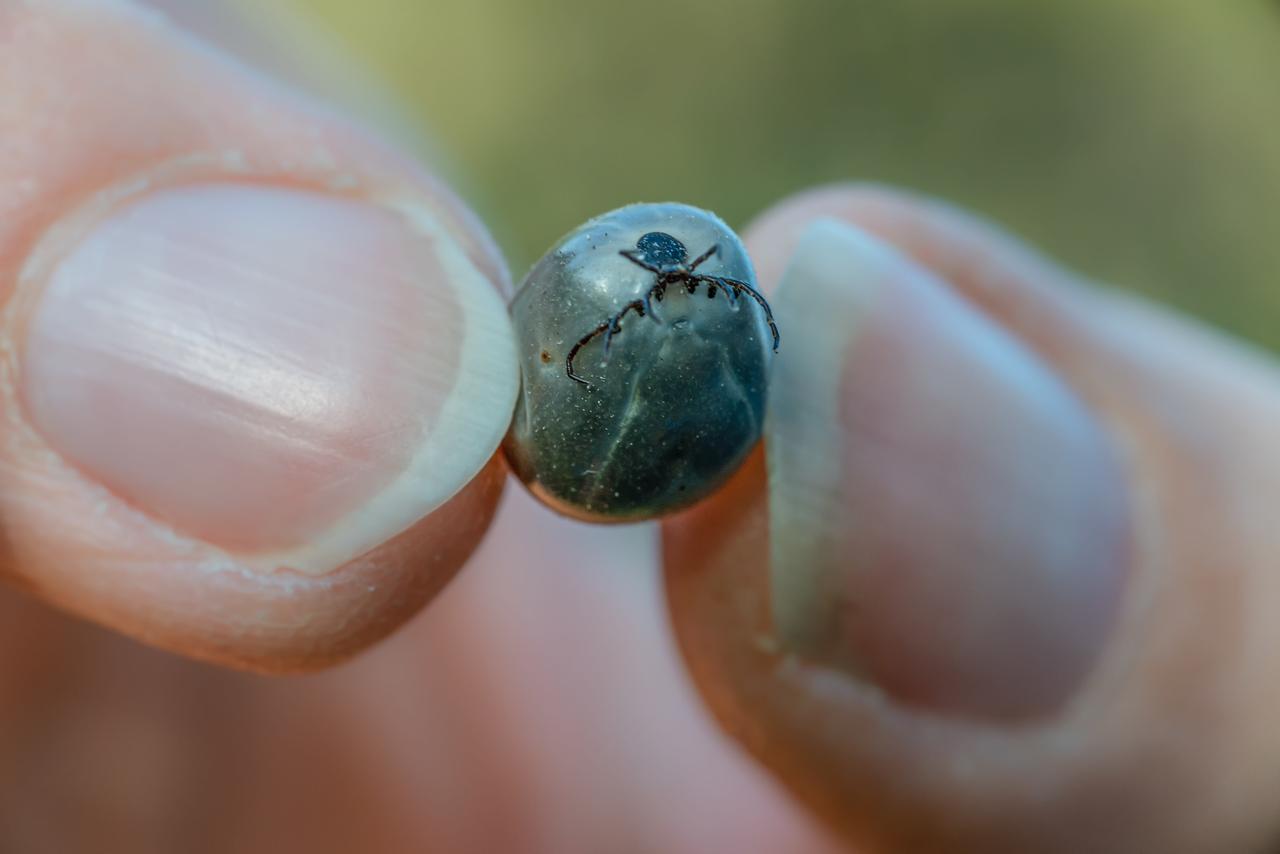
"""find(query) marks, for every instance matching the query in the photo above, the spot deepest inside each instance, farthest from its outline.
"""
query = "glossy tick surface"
(668, 260)
(642, 391)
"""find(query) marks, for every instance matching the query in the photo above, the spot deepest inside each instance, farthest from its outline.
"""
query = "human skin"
(1116, 695)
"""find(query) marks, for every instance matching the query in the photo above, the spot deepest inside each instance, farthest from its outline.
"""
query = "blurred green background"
(1136, 140)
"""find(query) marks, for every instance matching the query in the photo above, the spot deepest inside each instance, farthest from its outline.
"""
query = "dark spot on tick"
(546, 357)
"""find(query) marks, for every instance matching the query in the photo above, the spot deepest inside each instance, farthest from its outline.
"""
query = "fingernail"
(947, 520)
(277, 372)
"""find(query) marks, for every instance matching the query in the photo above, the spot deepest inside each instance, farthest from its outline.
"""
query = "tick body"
(644, 350)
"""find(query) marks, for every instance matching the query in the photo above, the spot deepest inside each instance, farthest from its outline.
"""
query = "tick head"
(662, 250)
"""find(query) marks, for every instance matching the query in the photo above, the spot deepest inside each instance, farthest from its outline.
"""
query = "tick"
(679, 402)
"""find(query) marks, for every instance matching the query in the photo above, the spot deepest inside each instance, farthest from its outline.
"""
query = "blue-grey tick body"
(644, 351)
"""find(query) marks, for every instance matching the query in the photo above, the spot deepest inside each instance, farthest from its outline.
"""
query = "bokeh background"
(546, 710)
(1136, 140)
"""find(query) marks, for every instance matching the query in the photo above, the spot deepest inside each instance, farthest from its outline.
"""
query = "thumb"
(256, 365)
(1005, 582)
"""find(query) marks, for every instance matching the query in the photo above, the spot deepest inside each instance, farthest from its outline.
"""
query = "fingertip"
(288, 622)
(1088, 435)
(899, 562)
(773, 235)
(983, 263)
(257, 365)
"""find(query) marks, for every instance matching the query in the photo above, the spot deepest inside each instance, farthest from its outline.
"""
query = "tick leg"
(610, 327)
(730, 292)
(609, 332)
(582, 342)
(740, 287)
(615, 325)
(634, 258)
(715, 249)
(639, 306)
(654, 295)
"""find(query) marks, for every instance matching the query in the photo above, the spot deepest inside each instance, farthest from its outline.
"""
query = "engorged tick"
(668, 259)
(681, 403)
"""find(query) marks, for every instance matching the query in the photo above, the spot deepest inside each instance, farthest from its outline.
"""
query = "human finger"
(1005, 580)
(256, 363)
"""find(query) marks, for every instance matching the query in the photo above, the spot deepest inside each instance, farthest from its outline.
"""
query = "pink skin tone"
(201, 114)
(540, 703)
(262, 398)
(520, 714)
(1166, 743)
